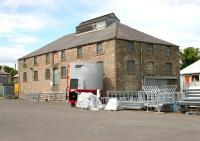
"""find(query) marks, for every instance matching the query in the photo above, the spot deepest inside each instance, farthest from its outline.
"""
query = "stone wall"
(114, 58)
(140, 55)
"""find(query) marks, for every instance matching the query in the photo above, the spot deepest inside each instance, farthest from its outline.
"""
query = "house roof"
(3, 73)
(113, 31)
(192, 69)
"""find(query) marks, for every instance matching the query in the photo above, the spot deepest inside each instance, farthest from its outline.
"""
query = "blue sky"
(27, 25)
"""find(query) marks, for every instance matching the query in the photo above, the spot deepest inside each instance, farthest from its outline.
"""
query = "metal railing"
(46, 96)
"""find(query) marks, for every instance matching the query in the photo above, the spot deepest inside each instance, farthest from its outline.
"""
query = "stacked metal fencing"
(151, 96)
(159, 97)
(46, 96)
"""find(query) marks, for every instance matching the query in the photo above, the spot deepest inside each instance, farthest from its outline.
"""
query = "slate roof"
(3, 73)
(113, 31)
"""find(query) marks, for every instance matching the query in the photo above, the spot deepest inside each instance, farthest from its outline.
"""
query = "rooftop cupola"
(96, 23)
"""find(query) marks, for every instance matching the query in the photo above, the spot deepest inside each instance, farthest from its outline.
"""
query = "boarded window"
(150, 66)
(47, 58)
(35, 61)
(130, 66)
(130, 47)
(63, 57)
(47, 74)
(63, 72)
(168, 67)
(25, 76)
(167, 51)
(99, 48)
(35, 75)
(148, 48)
(79, 52)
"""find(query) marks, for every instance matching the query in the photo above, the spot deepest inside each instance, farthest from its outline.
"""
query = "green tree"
(188, 56)
(10, 70)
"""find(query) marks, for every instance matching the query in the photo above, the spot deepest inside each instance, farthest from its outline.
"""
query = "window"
(79, 52)
(168, 67)
(25, 76)
(73, 83)
(150, 66)
(130, 66)
(130, 46)
(47, 74)
(148, 48)
(63, 72)
(99, 48)
(24, 63)
(47, 58)
(35, 75)
(167, 51)
(100, 25)
(35, 61)
(63, 56)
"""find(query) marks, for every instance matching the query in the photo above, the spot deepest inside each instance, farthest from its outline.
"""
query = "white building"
(190, 76)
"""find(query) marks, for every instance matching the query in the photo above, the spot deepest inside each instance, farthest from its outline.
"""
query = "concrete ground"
(46, 121)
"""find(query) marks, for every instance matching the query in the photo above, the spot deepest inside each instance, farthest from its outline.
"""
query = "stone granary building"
(130, 58)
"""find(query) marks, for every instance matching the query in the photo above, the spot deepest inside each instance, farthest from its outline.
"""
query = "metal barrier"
(151, 96)
(126, 95)
(159, 97)
(46, 96)
(126, 99)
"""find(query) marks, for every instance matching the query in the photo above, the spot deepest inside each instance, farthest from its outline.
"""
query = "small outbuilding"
(5, 81)
(190, 76)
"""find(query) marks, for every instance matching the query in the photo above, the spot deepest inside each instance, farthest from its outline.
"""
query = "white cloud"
(10, 54)
(28, 22)
(174, 21)
(30, 3)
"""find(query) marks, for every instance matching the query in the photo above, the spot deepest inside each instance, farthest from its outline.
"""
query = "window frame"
(128, 69)
(24, 63)
(130, 49)
(47, 58)
(167, 67)
(49, 74)
(25, 76)
(99, 48)
(79, 52)
(63, 76)
(35, 61)
(148, 66)
(63, 56)
(168, 51)
(149, 49)
(35, 75)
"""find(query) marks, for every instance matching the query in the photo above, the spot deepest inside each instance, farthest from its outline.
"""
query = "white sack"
(88, 101)
(113, 105)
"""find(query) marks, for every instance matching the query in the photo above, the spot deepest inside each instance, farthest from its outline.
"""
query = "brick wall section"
(89, 54)
(134, 81)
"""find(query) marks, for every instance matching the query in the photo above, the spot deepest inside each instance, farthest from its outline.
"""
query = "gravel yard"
(50, 121)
